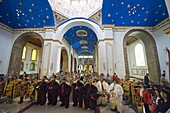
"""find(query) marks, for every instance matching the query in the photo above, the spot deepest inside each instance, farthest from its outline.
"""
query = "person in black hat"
(65, 90)
(53, 91)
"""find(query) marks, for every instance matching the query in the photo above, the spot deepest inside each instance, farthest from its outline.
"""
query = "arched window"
(34, 54)
(32, 66)
(139, 55)
(24, 53)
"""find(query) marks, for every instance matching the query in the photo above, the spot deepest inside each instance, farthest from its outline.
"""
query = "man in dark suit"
(90, 96)
(53, 91)
(78, 89)
(65, 90)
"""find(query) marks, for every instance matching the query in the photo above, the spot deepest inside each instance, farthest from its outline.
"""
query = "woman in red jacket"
(144, 94)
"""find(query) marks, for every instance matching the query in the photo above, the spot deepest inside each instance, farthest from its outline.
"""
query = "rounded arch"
(64, 60)
(78, 22)
(17, 49)
(151, 52)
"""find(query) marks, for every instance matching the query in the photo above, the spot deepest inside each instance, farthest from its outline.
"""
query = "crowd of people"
(88, 91)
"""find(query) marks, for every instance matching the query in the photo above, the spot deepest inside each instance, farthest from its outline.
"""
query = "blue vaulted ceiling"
(34, 13)
(38, 13)
(148, 12)
(75, 40)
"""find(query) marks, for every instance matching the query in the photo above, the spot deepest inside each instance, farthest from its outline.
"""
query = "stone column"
(51, 53)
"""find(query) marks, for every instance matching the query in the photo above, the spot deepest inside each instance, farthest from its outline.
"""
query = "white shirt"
(99, 86)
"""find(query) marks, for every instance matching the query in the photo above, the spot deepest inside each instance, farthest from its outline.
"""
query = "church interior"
(50, 49)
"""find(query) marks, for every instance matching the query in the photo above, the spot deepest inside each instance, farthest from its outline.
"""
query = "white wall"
(6, 38)
(162, 41)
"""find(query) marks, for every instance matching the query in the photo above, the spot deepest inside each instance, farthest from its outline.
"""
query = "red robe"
(145, 95)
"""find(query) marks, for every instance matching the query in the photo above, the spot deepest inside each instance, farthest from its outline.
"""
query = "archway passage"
(151, 52)
(17, 63)
(75, 65)
(64, 60)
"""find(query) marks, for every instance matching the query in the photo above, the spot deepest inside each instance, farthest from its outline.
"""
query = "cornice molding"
(167, 31)
(105, 39)
(50, 39)
(46, 28)
(107, 26)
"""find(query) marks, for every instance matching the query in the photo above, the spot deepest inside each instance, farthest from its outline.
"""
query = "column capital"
(50, 28)
(52, 40)
(107, 26)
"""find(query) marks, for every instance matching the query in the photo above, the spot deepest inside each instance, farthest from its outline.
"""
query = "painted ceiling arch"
(82, 38)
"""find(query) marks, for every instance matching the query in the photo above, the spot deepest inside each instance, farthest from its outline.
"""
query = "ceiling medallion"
(82, 33)
(84, 47)
(83, 42)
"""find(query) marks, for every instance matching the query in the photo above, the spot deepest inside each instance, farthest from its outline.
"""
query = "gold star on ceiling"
(138, 14)
(38, 15)
(123, 22)
(38, 23)
(143, 8)
(47, 17)
(32, 5)
(138, 22)
(147, 12)
(145, 19)
(128, 5)
(109, 15)
(163, 14)
(0, 16)
(30, 10)
(20, 3)
(116, 13)
(156, 12)
(122, 3)
(121, 17)
(44, 21)
(132, 21)
(156, 20)
(19, 24)
(112, 4)
(46, 8)
(159, 6)
(112, 20)
(9, 22)
(32, 18)
(7, 14)
(138, 4)
(28, 21)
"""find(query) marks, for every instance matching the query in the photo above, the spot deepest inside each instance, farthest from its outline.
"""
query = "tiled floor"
(15, 107)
